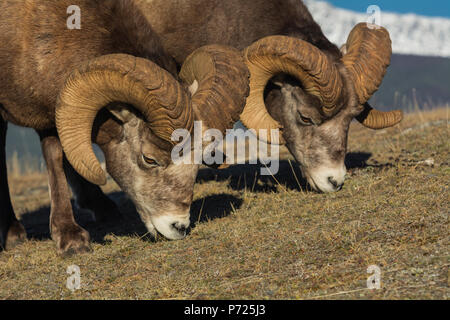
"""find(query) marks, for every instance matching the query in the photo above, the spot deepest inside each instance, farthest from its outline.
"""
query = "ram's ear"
(122, 113)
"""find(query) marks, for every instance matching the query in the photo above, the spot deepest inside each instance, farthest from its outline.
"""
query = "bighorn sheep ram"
(111, 82)
(301, 83)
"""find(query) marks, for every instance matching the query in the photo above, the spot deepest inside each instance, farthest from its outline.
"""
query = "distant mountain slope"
(428, 78)
(411, 34)
(25, 142)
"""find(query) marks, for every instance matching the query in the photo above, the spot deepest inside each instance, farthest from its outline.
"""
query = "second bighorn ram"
(301, 83)
(110, 83)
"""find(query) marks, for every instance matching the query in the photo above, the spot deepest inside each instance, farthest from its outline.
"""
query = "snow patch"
(410, 33)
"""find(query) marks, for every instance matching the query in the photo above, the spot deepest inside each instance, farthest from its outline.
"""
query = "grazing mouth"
(171, 227)
(327, 180)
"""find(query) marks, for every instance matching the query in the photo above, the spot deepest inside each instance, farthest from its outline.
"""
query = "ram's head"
(148, 104)
(312, 97)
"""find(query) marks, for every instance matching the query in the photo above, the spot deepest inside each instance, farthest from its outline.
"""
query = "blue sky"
(439, 8)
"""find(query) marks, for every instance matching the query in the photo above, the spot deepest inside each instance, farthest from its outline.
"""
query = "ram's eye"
(305, 120)
(149, 161)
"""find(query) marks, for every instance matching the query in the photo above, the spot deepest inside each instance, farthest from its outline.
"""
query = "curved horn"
(369, 50)
(222, 87)
(116, 78)
(375, 119)
(281, 54)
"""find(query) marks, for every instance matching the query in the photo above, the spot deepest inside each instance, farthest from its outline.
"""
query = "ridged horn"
(376, 120)
(117, 78)
(280, 54)
(369, 51)
(222, 85)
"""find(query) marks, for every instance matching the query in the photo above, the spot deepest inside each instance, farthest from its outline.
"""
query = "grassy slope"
(260, 238)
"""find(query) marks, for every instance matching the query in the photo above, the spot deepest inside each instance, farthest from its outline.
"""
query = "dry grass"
(257, 238)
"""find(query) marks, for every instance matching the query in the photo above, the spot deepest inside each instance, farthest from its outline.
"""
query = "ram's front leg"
(69, 236)
(11, 231)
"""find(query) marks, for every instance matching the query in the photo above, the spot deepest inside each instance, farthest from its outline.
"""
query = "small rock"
(428, 162)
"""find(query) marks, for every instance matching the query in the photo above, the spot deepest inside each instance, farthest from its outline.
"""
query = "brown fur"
(236, 23)
(37, 53)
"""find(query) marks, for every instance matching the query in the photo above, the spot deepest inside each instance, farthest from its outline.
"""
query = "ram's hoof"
(16, 235)
(71, 239)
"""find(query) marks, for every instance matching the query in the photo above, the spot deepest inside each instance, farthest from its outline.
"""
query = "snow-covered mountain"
(410, 33)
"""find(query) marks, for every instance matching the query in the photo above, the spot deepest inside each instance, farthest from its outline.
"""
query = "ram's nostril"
(180, 229)
(333, 182)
